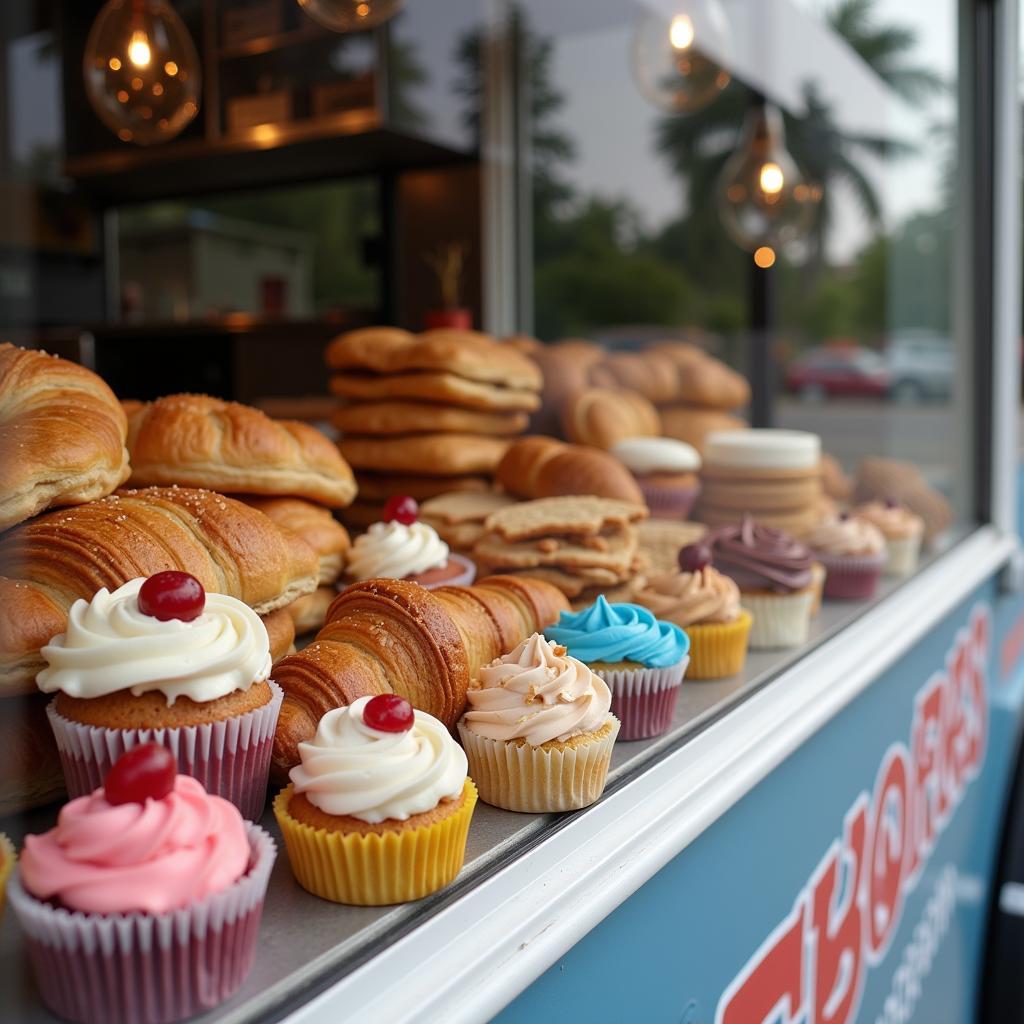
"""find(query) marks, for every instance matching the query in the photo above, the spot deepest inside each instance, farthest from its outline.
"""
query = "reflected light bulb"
(141, 70)
(351, 15)
(679, 62)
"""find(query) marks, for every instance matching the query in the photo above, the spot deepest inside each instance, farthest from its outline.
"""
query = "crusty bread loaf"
(200, 441)
(62, 435)
(57, 558)
(602, 417)
(650, 374)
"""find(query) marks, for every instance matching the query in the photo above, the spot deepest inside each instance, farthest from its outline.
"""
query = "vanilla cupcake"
(903, 531)
(538, 731)
(706, 604)
(666, 470)
(379, 806)
(853, 553)
(404, 548)
(160, 658)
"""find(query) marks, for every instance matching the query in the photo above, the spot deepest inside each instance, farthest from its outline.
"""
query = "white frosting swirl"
(642, 455)
(350, 769)
(394, 551)
(111, 646)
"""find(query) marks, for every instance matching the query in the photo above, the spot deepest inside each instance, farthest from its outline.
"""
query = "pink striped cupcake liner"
(669, 502)
(644, 699)
(230, 758)
(852, 577)
(146, 968)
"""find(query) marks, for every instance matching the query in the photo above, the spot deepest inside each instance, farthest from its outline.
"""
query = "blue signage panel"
(851, 884)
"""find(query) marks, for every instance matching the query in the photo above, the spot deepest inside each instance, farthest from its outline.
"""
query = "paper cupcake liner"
(379, 868)
(780, 620)
(146, 968)
(818, 576)
(464, 579)
(644, 699)
(519, 777)
(7, 859)
(669, 502)
(852, 578)
(903, 555)
(718, 649)
(230, 758)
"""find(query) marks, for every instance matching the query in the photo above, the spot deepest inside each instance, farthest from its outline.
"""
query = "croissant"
(62, 435)
(48, 563)
(393, 636)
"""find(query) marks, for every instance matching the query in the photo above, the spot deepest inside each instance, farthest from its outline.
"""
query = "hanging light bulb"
(142, 71)
(351, 15)
(677, 60)
(764, 201)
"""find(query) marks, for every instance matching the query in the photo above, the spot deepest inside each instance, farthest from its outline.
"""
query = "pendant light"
(351, 15)
(672, 61)
(142, 72)
(763, 199)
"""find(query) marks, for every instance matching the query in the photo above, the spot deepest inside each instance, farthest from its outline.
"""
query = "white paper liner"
(147, 968)
(903, 555)
(639, 699)
(230, 758)
(780, 620)
(518, 777)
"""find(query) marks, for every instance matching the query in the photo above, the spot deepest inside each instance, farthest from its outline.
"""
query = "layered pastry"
(641, 658)
(666, 471)
(403, 548)
(902, 529)
(853, 552)
(161, 656)
(147, 893)
(7, 858)
(774, 572)
(379, 806)
(538, 730)
(706, 604)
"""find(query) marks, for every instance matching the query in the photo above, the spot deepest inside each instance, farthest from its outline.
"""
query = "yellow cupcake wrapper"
(380, 868)
(718, 649)
(519, 777)
(818, 574)
(7, 860)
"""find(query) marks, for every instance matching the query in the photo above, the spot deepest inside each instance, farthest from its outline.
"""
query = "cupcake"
(7, 859)
(853, 553)
(379, 806)
(641, 659)
(774, 573)
(706, 605)
(538, 731)
(160, 659)
(144, 902)
(666, 471)
(902, 529)
(402, 548)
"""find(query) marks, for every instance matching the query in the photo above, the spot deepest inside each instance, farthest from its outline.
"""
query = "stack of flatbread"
(459, 516)
(584, 545)
(425, 414)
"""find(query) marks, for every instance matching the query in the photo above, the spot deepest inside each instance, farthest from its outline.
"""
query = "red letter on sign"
(927, 777)
(890, 838)
(840, 967)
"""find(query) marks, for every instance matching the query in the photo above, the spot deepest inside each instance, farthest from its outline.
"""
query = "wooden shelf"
(278, 41)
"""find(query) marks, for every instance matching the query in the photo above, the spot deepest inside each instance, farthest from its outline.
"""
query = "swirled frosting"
(394, 551)
(538, 694)
(111, 646)
(619, 632)
(350, 769)
(690, 598)
(643, 455)
(130, 858)
(760, 558)
(895, 521)
(849, 536)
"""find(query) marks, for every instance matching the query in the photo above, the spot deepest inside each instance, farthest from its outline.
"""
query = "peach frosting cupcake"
(853, 552)
(903, 531)
(538, 731)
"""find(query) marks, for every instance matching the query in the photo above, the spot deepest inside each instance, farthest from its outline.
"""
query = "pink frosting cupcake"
(903, 531)
(143, 903)
(853, 553)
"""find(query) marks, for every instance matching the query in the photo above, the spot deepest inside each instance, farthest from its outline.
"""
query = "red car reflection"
(847, 370)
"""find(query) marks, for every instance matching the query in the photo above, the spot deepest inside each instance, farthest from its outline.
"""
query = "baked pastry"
(834, 482)
(144, 902)
(853, 552)
(692, 425)
(881, 479)
(563, 516)
(307, 614)
(57, 558)
(604, 416)
(385, 636)
(429, 454)
(565, 366)
(30, 770)
(390, 418)
(62, 435)
(7, 859)
(660, 540)
(666, 470)
(160, 658)
(200, 441)
(650, 374)
(902, 529)
(440, 386)
(459, 516)
(538, 731)
(704, 380)
(280, 627)
(379, 806)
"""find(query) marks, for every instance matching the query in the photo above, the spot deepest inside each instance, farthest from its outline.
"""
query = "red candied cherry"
(694, 557)
(891, 503)
(401, 508)
(172, 595)
(388, 712)
(144, 772)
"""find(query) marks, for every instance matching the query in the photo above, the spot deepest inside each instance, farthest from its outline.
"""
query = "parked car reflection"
(920, 364)
(834, 370)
